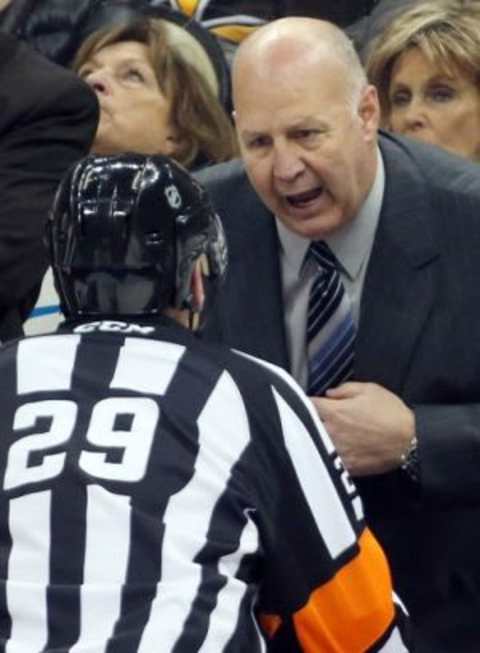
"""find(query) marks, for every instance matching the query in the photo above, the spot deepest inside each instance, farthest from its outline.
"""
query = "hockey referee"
(161, 495)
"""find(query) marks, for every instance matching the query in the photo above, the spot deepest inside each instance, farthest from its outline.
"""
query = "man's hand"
(369, 425)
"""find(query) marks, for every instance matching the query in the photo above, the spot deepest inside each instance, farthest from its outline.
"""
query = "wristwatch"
(410, 461)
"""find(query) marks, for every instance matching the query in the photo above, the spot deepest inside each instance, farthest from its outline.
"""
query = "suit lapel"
(400, 276)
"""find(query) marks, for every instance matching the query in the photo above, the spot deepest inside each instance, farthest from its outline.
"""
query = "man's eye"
(306, 134)
(257, 143)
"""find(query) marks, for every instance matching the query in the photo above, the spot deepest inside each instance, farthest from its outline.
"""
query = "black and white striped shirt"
(160, 495)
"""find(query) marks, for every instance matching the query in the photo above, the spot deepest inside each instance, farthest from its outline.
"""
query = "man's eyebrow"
(307, 121)
(249, 133)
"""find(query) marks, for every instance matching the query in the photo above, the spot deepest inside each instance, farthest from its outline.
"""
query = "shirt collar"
(352, 243)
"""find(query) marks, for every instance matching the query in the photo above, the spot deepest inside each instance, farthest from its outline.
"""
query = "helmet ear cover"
(124, 234)
(209, 242)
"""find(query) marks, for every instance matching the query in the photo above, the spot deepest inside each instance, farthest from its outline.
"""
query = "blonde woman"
(426, 67)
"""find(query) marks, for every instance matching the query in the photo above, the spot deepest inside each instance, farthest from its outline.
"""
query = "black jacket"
(48, 118)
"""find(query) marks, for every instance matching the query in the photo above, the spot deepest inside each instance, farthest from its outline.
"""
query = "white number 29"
(133, 444)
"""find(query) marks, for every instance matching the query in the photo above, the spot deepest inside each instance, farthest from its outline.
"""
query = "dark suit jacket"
(418, 336)
(48, 118)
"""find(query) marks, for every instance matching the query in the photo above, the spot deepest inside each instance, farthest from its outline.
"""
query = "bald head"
(307, 124)
(298, 42)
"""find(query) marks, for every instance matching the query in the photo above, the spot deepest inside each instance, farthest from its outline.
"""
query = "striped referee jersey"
(161, 495)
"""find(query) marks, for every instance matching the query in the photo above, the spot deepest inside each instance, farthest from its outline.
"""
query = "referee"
(160, 494)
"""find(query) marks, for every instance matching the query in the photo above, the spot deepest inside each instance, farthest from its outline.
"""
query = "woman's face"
(434, 105)
(134, 113)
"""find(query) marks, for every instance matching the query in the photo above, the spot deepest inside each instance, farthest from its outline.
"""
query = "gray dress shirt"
(351, 245)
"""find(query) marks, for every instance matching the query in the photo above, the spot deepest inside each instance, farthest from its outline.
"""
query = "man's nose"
(287, 164)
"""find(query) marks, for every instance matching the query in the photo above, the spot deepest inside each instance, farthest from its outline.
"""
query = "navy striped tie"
(330, 326)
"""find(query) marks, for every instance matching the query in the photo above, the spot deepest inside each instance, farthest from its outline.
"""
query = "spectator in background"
(48, 119)
(152, 99)
(426, 67)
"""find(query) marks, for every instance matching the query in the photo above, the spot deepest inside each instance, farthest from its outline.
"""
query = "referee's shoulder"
(251, 371)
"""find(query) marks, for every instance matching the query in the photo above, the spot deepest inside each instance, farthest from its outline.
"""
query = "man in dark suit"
(48, 118)
(402, 220)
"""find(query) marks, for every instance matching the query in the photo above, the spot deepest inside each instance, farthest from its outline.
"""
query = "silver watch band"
(410, 461)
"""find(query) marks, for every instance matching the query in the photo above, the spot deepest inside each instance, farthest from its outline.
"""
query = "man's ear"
(369, 112)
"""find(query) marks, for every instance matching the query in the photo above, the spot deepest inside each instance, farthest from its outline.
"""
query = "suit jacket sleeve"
(48, 120)
(449, 448)
(420, 310)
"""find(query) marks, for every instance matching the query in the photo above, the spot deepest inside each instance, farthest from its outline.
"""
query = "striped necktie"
(330, 326)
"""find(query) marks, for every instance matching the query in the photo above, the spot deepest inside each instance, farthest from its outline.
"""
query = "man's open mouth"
(300, 200)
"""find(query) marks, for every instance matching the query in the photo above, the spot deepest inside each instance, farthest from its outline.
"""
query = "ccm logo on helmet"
(119, 327)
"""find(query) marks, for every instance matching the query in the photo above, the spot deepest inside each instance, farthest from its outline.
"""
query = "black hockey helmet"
(124, 233)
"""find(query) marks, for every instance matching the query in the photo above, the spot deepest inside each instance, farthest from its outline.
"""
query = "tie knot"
(321, 253)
